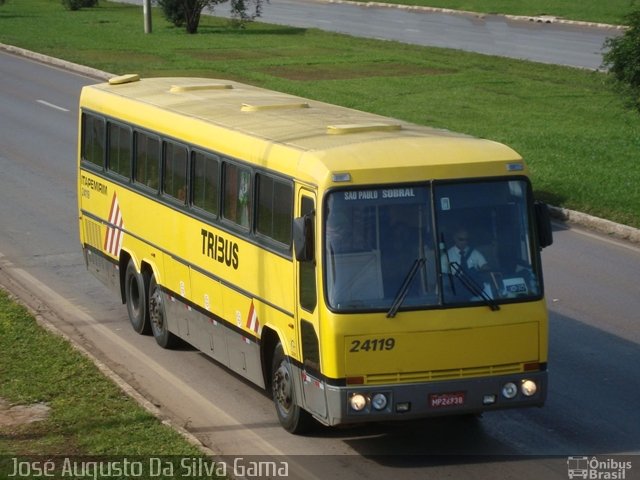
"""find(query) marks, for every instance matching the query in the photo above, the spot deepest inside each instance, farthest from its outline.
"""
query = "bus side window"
(274, 206)
(119, 140)
(206, 182)
(93, 139)
(174, 181)
(237, 188)
(147, 160)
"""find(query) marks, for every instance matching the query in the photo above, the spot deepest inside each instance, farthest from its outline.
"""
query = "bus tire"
(135, 290)
(158, 316)
(292, 417)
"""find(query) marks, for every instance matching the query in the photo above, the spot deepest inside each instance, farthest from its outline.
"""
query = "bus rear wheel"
(158, 316)
(135, 289)
(292, 417)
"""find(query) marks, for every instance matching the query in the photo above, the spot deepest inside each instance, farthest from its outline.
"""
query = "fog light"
(489, 399)
(357, 402)
(379, 401)
(528, 388)
(509, 390)
(403, 407)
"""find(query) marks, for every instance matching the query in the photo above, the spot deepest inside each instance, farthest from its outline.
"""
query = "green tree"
(623, 59)
(188, 12)
(173, 11)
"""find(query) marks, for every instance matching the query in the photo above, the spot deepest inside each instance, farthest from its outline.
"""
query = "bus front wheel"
(135, 288)
(292, 417)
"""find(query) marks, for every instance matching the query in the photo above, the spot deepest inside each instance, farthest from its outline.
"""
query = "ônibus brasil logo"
(597, 469)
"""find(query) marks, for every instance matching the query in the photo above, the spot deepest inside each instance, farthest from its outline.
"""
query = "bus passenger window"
(275, 208)
(147, 160)
(120, 149)
(206, 177)
(93, 133)
(175, 171)
(237, 194)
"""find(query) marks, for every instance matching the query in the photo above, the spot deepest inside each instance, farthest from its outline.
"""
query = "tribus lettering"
(220, 249)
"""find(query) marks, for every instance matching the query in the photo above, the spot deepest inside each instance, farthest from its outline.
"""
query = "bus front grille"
(452, 374)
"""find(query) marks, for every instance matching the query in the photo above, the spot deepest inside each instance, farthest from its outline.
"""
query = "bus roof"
(302, 138)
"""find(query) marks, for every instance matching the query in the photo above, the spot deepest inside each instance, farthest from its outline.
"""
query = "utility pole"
(146, 12)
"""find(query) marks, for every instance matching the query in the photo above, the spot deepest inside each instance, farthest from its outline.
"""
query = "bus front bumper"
(373, 403)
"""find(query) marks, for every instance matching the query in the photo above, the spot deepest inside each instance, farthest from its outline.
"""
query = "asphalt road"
(554, 43)
(592, 290)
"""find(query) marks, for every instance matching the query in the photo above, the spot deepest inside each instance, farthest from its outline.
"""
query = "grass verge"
(578, 137)
(89, 416)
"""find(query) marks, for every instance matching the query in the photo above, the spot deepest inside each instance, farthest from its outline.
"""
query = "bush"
(78, 4)
(623, 59)
(173, 11)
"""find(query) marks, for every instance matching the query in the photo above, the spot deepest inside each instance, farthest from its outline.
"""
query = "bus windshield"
(422, 246)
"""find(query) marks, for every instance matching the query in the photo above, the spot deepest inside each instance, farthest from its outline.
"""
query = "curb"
(56, 62)
(517, 18)
(600, 225)
(606, 227)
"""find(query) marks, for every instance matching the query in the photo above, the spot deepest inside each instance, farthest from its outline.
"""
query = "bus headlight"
(509, 390)
(357, 402)
(528, 388)
(379, 401)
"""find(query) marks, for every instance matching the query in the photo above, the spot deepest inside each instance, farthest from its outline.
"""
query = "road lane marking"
(51, 105)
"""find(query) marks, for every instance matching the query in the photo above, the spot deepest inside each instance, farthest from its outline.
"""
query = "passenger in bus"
(467, 267)
(463, 254)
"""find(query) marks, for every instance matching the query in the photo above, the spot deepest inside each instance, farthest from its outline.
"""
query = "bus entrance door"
(313, 387)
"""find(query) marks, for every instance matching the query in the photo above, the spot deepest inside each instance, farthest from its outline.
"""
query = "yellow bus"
(311, 248)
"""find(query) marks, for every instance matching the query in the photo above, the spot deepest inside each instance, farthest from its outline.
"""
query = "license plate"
(451, 399)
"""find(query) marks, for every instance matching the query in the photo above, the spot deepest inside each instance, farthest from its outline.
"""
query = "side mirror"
(303, 238)
(543, 224)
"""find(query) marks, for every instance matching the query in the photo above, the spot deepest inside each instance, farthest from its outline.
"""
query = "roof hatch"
(200, 87)
(362, 127)
(248, 107)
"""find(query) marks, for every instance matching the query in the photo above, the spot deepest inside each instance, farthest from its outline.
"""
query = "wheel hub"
(282, 387)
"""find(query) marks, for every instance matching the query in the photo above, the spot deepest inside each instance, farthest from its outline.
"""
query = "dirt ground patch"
(349, 71)
(13, 415)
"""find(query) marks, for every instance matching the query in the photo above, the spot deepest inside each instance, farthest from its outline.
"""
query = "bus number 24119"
(374, 345)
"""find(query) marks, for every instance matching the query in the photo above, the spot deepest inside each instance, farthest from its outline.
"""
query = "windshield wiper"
(404, 288)
(471, 285)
